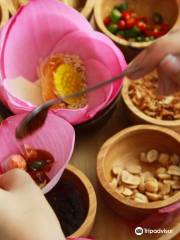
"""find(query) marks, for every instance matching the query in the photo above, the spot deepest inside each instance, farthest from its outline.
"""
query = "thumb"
(169, 74)
(15, 179)
(152, 56)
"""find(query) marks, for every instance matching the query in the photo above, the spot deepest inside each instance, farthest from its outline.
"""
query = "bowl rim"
(88, 7)
(102, 178)
(128, 102)
(92, 208)
(4, 13)
(99, 21)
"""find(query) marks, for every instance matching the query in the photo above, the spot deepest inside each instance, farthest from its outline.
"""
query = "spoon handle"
(93, 88)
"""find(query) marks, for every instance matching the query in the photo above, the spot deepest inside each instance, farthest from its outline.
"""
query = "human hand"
(25, 213)
(163, 54)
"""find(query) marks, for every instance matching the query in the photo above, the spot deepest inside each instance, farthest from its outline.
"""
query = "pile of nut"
(144, 95)
(144, 186)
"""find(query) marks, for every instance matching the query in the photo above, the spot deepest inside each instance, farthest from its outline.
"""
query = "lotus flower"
(46, 27)
(60, 143)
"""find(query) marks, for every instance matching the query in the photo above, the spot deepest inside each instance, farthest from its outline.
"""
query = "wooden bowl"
(125, 147)
(83, 185)
(4, 13)
(136, 116)
(13, 5)
(83, 6)
(168, 9)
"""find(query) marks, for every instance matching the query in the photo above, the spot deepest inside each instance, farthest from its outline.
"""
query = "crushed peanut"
(144, 95)
(144, 186)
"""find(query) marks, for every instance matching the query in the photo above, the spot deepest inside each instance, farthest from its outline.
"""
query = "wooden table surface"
(108, 225)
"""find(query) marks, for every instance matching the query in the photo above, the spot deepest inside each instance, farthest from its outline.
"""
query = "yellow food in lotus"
(67, 80)
(62, 75)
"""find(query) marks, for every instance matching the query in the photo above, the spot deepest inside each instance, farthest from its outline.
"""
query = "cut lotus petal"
(24, 90)
(19, 106)
(33, 32)
(56, 136)
(73, 116)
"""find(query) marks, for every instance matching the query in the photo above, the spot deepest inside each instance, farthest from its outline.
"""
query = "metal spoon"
(35, 119)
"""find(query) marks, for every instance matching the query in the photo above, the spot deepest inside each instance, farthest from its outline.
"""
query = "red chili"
(141, 25)
(107, 21)
(130, 23)
(122, 24)
(164, 28)
(153, 32)
(126, 15)
(143, 19)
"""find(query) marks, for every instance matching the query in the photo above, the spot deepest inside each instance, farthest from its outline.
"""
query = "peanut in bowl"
(144, 105)
(141, 152)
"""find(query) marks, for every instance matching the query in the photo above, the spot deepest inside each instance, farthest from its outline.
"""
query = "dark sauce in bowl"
(68, 204)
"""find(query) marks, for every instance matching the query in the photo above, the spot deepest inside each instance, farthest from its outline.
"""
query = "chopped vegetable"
(132, 33)
(125, 23)
(123, 7)
(158, 18)
(37, 165)
(115, 16)
(130, 23)
(122, 24)
(107, 21)
(113, 28)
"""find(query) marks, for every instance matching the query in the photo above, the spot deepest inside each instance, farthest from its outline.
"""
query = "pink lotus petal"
(87, 46)
(21, 53)
(97, 100)
(94, 45)
(19, 106)
(33, 32)
(74, 116)
(56, 136)
(123, 65)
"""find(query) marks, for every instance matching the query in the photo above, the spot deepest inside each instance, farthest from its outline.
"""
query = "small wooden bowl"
(136, 116)
(168, 9)
(124, 148)
(13, 5)
(84, 6)
(83, 185)
(4, 13)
